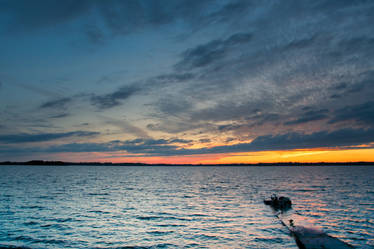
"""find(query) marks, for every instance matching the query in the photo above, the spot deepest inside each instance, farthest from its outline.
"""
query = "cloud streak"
(57, 103)
(43, 137)
(362, 114)
(205, 54)
(161, 147)
(115, 98)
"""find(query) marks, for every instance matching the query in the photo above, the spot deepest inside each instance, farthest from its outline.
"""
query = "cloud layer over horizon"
(176, 78)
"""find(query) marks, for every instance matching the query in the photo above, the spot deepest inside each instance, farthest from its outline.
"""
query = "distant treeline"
(60, 163)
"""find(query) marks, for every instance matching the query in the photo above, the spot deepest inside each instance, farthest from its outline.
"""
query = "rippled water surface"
(179, 207)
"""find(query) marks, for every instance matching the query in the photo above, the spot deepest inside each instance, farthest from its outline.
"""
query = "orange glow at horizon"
(310, 155)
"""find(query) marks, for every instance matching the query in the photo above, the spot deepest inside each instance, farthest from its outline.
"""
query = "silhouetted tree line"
(60, 163)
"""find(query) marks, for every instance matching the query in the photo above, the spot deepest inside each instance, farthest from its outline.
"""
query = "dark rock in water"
(279, 203)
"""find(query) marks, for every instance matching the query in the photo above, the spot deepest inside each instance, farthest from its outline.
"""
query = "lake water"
(179, 207)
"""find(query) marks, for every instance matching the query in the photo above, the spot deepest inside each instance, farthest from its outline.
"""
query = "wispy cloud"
(43, 137)
(115, 98)
(362, 114)
(59, 103)
(205, 54)
(125, 126)
(309, 116)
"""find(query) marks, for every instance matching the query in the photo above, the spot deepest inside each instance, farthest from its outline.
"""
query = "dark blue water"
(179, 207)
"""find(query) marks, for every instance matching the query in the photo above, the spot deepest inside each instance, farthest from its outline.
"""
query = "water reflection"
(173, 207)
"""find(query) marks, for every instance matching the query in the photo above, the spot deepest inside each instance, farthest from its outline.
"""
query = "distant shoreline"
(60, 163)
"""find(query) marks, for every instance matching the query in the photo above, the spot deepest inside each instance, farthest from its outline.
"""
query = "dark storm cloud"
(43, 137)
(362, 114)
(57, 103)
(115, 98)
(205, 54)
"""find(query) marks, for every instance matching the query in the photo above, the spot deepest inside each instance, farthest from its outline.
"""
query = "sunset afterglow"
(181, 82)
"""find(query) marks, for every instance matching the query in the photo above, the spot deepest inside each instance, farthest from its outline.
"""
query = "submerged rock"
(279, 203)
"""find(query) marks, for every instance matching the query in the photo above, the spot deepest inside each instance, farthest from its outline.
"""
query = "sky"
(187, 81)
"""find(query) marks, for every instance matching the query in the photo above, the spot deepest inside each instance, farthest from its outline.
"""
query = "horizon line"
(65, 163)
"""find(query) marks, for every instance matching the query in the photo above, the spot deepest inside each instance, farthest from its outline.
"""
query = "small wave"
(149, 217)
(193, 245)
(98, 212)
(30, 223)
(56, 226)
(24, 238)
(208, 237)
(52, 241)
(267, 240)
(171, 225)
(7, 212)
(13, 247)
(306, 190)
(162, 213)
(98, 194)
(162, 245)
(62, 220)
(45, 241)
(33, 207)
(159, 233)
(123, 247)
(199, 215)
(45, 197)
